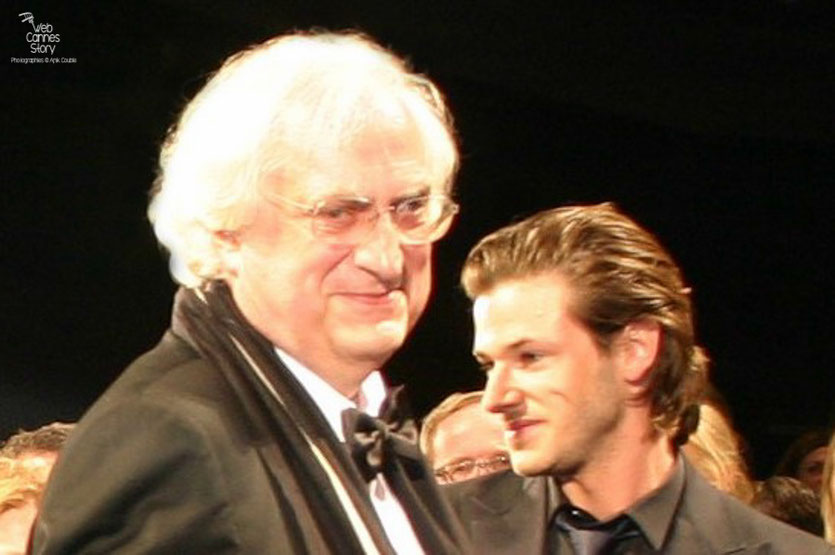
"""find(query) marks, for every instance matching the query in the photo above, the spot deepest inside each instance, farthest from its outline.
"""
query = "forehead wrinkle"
(400, 173)
(389, 146)
(402, 146)
(405, 165)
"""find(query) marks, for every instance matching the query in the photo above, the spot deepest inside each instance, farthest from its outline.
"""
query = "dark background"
(711, 124)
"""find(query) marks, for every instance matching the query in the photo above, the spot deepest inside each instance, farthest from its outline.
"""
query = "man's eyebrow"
(515, 346)
(422, 192)
(518, 344)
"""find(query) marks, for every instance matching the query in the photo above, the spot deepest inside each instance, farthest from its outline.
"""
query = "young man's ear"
(227, 245)
(637, 350)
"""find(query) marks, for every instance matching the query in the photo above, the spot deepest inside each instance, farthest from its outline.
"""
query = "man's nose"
(381, 253)
(499, 394)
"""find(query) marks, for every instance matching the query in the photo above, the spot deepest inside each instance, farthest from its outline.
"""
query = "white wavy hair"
(282, 107)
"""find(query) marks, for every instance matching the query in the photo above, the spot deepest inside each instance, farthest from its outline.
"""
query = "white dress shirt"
(331, 403)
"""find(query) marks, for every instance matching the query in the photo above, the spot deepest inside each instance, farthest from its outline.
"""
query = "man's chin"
(374, 342)
(526, 465)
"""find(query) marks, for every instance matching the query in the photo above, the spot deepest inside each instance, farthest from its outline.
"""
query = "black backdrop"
(711, 124)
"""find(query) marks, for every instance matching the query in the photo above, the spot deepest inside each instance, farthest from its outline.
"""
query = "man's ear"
(227, 245)
(637, 350)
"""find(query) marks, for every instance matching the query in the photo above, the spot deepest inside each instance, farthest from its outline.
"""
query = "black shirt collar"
(653, 514)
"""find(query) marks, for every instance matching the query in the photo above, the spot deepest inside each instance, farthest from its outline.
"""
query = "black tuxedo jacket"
(169, 461)
(507, 514)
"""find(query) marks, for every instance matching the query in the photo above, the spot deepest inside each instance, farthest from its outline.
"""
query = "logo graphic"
(41, 39)
(28, 17)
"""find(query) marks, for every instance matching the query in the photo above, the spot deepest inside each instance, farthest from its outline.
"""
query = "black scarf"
(301, 438)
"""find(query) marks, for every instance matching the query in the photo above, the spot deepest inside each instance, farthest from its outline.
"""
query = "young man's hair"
(618, 273)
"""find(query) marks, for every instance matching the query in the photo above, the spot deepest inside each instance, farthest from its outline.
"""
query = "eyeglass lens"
(346, 219)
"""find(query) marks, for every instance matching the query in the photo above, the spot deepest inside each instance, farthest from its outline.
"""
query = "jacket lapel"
(704, 520)
(434, 522)
(506, 513)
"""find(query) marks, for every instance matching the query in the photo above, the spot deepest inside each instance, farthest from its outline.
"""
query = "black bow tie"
(373, 442)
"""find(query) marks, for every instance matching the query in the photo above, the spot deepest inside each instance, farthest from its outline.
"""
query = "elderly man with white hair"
(299, 196)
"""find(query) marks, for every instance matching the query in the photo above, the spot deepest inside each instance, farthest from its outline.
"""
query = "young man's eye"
(529, 357)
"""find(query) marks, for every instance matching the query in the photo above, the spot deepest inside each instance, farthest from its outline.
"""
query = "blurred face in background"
(15, 524)
(810, 469)
(469, 443)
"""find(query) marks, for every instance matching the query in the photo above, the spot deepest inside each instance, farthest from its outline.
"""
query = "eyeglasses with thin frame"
(348, 220)
(471, 468)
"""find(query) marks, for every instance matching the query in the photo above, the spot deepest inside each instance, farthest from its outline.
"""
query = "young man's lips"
(516, 425)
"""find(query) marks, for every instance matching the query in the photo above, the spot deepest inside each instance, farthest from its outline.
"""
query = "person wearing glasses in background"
(299, 196)
(462, 441)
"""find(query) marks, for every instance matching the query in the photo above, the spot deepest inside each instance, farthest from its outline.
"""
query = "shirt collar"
(654, 513)
(330, 402)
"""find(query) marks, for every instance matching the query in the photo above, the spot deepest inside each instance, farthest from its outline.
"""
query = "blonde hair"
(46, 439)
(450, 405)
(827, 494)
(715, 449)
(19, 483)
(282, 108)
